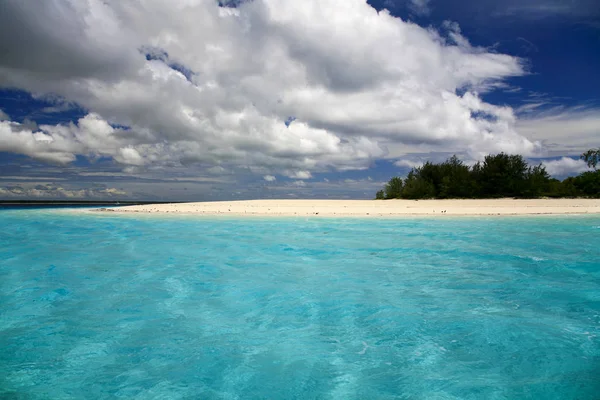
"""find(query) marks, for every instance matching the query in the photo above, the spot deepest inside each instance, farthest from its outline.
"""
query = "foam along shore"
(372, 208)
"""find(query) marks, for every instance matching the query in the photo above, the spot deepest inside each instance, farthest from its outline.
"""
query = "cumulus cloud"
(565, 166)
(269, 178)
(196, 83)
(4, 116)
(61, 143)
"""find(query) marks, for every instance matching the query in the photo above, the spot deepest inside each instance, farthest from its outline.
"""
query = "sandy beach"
(372, 208)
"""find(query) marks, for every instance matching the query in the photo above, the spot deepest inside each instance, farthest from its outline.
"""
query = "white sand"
(374, 208)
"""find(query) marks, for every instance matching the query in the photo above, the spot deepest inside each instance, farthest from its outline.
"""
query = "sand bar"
(372, 208)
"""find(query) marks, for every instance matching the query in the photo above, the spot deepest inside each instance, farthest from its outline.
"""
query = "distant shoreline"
(371, 208)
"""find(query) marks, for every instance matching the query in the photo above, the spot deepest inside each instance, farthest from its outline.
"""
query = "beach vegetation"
(587, 184)
(592, 157)
(498, 175)
(393, 189)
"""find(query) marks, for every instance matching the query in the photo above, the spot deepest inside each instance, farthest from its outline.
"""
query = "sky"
(199, 100)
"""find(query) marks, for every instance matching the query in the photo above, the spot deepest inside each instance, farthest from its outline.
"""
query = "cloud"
(569, 131)
(269, 178)
(51, 191)
(200, 84)
(216, 170)
(529, 107)
(408, 163)
(527, 46)
(298, 174)
(4, 116)
(31, 178)
(61, 143)
(334, 189)
(420, 7)
(537, 9)
(565, 166)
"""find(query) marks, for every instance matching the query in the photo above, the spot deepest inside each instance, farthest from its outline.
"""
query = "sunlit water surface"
(134, 307)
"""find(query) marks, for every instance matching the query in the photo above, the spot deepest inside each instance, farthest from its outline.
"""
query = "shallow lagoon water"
(150, 307)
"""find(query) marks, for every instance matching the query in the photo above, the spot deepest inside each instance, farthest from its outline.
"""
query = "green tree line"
(499, 175)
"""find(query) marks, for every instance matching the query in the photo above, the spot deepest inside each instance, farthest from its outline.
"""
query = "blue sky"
(275, 99)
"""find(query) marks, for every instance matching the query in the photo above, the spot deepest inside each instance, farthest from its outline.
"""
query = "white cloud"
(61, 143)
(298, 174)
(51, 191)
(216, 170)
(536, 9)
(269, 178)
(529, 107)
(112, 191)
(408, 163)
(420, 7)
(32, 178)
(360, 84)
(129, 156)
(563, 131)
(565, 166)
(4, 116)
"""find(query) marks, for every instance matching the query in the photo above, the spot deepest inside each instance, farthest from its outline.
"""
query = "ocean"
(101, 306)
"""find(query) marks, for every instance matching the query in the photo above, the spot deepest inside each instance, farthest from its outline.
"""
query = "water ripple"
(142, 308)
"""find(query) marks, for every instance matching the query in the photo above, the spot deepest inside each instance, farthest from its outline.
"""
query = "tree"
(591, 157)
(568, 188)
(380, 195)
(417, 187)
(588, 183)
(502, 175)
(457, 181)
(538, 182)
(393, 189)
(555, 188)
(429, 176)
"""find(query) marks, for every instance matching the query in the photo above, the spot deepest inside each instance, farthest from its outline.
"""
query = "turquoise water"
(103, 307)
